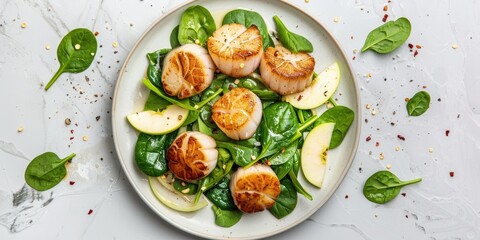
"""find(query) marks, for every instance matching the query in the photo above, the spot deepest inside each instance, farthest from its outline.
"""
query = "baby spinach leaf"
(156, 103)
(196, 25)
(418, 104)
(174, 37)
(286, 201)
(384, 186)
(155, 64)
(388, 36)
(342, 117)
(282, 170)
(221, 196)
(249, 18)
(279, 124)
(75, 53)
(184, 187)
(226, 218)
(184, 103)
(150, 153)
(284, 154)
(298, 186)
(296, 162)
(290, 40)
(46, 171)
(254, 85)
(241, 154)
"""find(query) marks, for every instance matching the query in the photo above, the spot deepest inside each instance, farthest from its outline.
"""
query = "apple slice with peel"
(321, 89)
(315, 153)
(162, 122)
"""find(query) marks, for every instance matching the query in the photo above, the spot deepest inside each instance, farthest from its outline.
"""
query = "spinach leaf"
(156, 103)
(174, 37)
(418, 104)
(155, 64)
(241, 154)
(279, 124)
(46, 170)
(290, 40)
(299, 186)
(184, 103)
(388, 36)
(221, 196)
(191, 118)
(184, 187)
(342, 117)
(296, 162)
(75, 53)
(249, 18)
(284, 154)
(196, 26)
(254, 85)
(150, 153)
(282, 170)
(226, 218)
(384, 186)
(286, 201)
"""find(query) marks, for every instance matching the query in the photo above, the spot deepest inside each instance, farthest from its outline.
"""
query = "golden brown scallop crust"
(288, 68)
(193, 71)
(233, 110)
(255, 192)
(186, 165)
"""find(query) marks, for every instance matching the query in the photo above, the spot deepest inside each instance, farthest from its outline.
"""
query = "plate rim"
(328, 194)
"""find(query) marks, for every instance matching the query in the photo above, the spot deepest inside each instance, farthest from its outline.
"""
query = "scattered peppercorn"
(346, 196)
(404, 194)
(401, 137)
(68, 122)
(447, 132)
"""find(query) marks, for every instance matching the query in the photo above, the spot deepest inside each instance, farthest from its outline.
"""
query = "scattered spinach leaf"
(286, 201)
(174, 37)
(342, 117)
(418, 104)
(388, 36)
(290, 40)
(221, 196)
(75, 53)
(249, 18)
(196, 25)
(384, 186)
(150, 153)
(46, 170)
(226, 218)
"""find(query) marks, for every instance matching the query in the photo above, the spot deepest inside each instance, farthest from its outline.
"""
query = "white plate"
(130, 96)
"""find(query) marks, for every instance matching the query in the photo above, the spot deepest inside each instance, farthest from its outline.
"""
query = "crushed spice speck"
(23, 25)
(20, 129)
(90, 211)
(85, 138)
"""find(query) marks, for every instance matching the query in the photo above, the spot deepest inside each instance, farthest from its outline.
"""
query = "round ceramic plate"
(130, 96)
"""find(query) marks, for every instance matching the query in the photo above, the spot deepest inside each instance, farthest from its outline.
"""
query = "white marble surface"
(440, 207)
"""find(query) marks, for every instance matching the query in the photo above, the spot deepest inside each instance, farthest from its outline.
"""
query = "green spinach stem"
(412, 181)
(172, 101)
(298, 186)
(69, 157)
(202, 103)
(333, 102)
(55, 77)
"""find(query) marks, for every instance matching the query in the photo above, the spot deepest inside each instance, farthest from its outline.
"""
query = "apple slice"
(321, 89)
(156, 123)
(315, 153)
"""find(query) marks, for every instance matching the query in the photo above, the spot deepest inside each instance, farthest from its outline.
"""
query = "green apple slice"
(163, 190)
(315, 153)
(156, 123)
(321, 89)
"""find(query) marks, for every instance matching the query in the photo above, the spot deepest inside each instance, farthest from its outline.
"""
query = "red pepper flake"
(401, 137)
(90, 211)
(424, 86)
(96, 34)
(415, 53)
(377, 144)
(353, 58)
(71, 131)
(368, 139)
(299, 97)
(447, 132)
(71, 138)
(410, 45)
(418, 46)
(71, 182)
(452, 174)
(346, 196)
(384, 19)
(385, 8)
(404, 194)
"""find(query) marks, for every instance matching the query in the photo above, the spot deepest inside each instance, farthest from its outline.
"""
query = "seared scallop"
(238, 113)
(235, 49)
(192, 156)
(285, 72)
(255, 188)
(187, 71)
